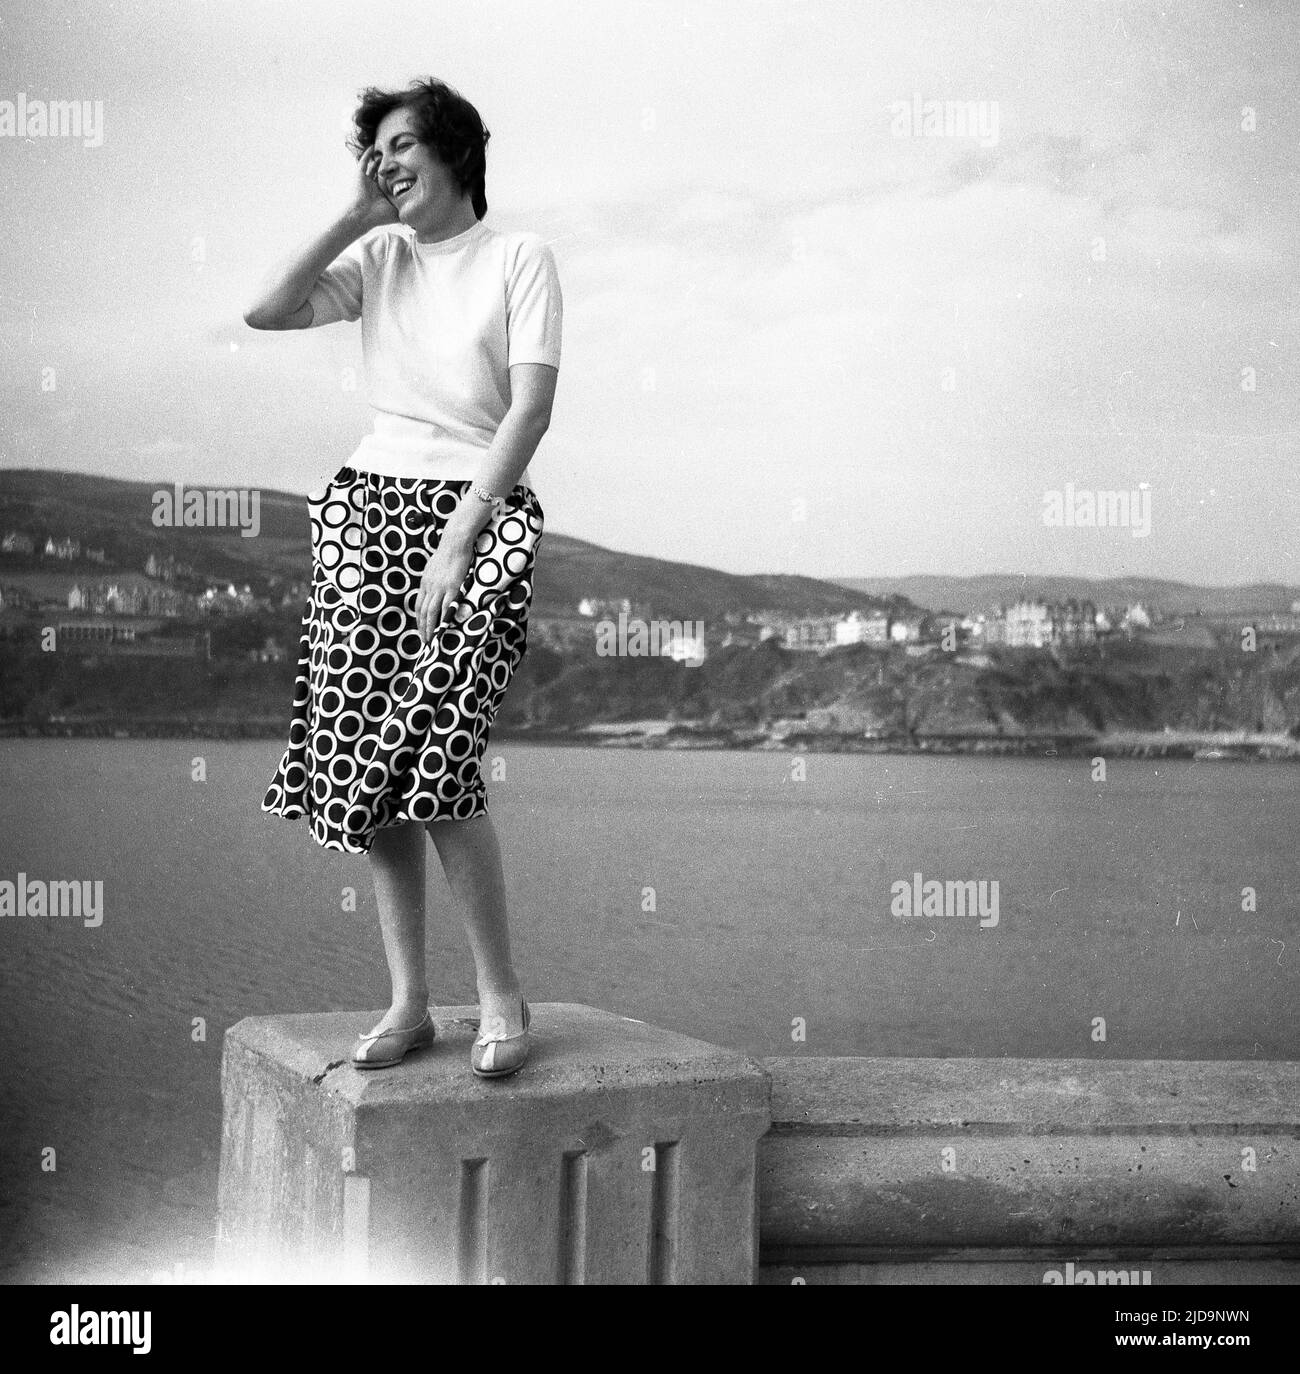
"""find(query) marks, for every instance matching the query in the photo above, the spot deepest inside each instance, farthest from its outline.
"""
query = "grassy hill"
(990, 590)
(117, 515)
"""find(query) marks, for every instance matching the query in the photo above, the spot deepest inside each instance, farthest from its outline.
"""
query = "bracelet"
(498, 503)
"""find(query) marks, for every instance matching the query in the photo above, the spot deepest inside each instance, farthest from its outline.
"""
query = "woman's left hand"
(441, 580)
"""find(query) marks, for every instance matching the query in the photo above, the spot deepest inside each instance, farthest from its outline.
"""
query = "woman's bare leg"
(471, 859)
(397, 865)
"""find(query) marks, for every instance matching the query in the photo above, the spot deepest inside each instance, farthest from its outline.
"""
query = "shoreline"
(1216, 746)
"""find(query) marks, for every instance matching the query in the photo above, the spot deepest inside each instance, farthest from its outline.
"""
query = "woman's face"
(419, 185)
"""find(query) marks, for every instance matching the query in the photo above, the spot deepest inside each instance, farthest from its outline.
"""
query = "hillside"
(854, 693)
(117, 515)
(990, 590)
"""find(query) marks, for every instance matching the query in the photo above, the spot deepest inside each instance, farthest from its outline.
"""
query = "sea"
(769, 902)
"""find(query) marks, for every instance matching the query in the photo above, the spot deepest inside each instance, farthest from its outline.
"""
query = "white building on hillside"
(857, 628)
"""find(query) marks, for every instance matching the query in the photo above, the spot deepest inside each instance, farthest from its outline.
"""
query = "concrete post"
(620, 1153)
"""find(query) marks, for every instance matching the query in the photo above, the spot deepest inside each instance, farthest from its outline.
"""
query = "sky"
(804, 332)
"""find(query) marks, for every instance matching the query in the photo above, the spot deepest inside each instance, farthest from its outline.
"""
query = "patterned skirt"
(386, 729)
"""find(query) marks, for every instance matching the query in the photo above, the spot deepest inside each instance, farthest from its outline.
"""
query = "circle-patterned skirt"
(386, 729)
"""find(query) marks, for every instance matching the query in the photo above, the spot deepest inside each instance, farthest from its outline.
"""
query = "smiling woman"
(434, 132)
(424, 542)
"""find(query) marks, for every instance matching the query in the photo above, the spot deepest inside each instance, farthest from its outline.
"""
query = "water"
(771, 908)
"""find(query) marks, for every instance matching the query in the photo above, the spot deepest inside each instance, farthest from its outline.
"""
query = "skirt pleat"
(386, 729)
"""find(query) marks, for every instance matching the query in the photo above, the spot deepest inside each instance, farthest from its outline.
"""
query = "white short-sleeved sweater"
(441, 323)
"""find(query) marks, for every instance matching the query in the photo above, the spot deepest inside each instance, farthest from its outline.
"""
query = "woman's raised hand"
(370, 204)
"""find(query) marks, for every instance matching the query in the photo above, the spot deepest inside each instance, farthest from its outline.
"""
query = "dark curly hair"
(445, 122)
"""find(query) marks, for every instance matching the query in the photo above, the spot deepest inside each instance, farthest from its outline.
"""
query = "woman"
(423, 544)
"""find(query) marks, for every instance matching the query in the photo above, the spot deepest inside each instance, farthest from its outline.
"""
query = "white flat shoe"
(404, 1039)
(496, 1056)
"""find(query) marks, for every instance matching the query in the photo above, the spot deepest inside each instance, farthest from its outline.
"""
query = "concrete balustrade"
(889, 1160)
(623, 1153)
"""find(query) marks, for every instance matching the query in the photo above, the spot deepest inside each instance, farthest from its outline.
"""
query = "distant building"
(15, 541)
(124, 600)
(16, 598)
(741, 631)
(611, 607)
(64, 549)
(1074, 623)
(130, 640)
(681, 647)
(1043, 625)
(592, 606)
(1137, 617)
(905, 629)
(810, 633)
(1026, 625)
(1278, 623)
(111, 598)
(228, 602)
(270, 652)
(857, 628)
(94, 631)
(164, 567)
(946, 628)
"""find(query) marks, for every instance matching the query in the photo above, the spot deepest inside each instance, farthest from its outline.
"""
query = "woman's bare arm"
(282, 303)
